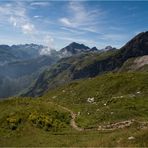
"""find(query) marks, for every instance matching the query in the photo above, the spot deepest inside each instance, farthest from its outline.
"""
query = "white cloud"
(28, 28)
(72, 30)
(43, 4)
(15, 14)
(13, 20)
(81, 17)
(65, 21)
(49, 42)
(37, 16)
(80, 14)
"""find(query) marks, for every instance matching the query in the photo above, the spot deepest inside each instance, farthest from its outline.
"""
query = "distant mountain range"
(23, 64)
(75, 48)
(88, 64)
(27, 65)
(29, 51)
(19, 52)
(20, 65)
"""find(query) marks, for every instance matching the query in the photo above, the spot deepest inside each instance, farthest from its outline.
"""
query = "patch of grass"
(37, 113)
(116, 97)
(37, 137)
(43, 122)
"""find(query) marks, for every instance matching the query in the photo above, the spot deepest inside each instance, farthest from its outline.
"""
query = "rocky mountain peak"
(74, 48)
(94, 49)
(138, 46)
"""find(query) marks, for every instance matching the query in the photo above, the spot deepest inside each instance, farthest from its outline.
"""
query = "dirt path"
(114, 126)
(73, 115)
(117, 125)
(111, 126)
(108, 127)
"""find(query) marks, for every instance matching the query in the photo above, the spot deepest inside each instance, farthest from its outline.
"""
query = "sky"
(58, 23)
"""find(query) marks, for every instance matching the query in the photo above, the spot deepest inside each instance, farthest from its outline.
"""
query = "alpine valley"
(77, 96)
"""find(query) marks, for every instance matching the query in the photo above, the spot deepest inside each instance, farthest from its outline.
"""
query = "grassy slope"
(20, 117)
(36, 137)
(106, 89)
(120, 93)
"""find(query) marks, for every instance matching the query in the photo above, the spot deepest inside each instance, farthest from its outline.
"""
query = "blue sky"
(58, 23)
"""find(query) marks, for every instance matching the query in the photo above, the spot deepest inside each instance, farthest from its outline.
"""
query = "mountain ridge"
(90, 65)
(75, 48)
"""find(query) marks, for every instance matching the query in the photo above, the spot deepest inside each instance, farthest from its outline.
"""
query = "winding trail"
(108, 127)
(72, 122)
(117, 125)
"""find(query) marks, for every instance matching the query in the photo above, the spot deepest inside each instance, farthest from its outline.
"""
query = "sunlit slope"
(110, 109)
(108, 98)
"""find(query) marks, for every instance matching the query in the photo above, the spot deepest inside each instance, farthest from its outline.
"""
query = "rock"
(54, 97)
(112, 113)
(91, 100)
(131, 138)
(79, 113)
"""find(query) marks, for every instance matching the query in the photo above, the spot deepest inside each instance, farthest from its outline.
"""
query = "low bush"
(50, 120)
(13, 122)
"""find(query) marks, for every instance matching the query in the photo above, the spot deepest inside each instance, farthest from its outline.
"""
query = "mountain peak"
(141, 35)
(74, 43)
(74, 48)
(94, 49)
(78, 46)
(139, 43)
(107, 48)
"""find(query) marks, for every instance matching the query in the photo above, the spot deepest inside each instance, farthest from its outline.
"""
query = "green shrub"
(40, 120)
(49, 120)
(13, 122)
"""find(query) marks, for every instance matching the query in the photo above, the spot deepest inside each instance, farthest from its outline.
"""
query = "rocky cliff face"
(135, 64)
